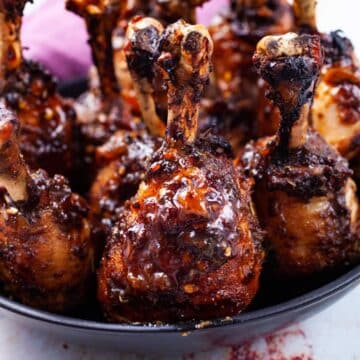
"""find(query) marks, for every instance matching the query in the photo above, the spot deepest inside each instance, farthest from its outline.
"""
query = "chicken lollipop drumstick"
(166, 12)
(306, 200)
(100, 17)
(187, 245)
(101, 111)
(46, 253)
(124, 158)
(233, 101)
(141, 50)
(47, 121)
(336, 111)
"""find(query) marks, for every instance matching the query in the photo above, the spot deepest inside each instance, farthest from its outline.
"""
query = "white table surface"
(332, 334)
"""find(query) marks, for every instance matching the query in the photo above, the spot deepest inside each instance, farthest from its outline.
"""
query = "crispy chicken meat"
(336, 109)
(46, 254)
(188, 245)
(235, 84)
(305, 197)
(47, 121)
(123, 159)
(101, 111)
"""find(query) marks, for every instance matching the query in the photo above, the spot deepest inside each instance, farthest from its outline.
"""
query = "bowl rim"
(327, 291)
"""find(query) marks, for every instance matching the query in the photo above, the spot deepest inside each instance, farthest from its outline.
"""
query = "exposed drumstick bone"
(185, 65)
(10, 25)
(291, 65)
(101, 17)
(141, 50)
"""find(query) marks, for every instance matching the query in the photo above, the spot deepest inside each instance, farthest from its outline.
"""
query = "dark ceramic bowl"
(275, 306)
(188, 336)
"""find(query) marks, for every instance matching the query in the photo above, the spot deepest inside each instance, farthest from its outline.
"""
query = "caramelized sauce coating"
(47, 121)
(187, 245)
(46, 255)
(305, 197)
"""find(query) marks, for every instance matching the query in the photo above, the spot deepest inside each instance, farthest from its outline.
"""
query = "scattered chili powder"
(273, 347)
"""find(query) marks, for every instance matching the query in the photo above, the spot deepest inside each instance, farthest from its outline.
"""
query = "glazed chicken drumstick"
(235, 35)
(101, 111)
(46, 253)
(306, 200)
(124, 158)
(336, 110)
(166, 12)
(187, 245)
(235, 82)
(47, 121)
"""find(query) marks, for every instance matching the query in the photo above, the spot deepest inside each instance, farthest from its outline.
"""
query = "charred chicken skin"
(47, 121)
(187, 245)
(101, 111)
(336, 110)
(46, 255)
(306, 199)
(123, 160)
(235, 34)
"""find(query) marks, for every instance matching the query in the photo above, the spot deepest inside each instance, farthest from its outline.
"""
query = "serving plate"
(276, 305)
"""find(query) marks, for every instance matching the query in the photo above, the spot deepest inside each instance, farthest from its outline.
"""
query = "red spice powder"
(282, 345)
